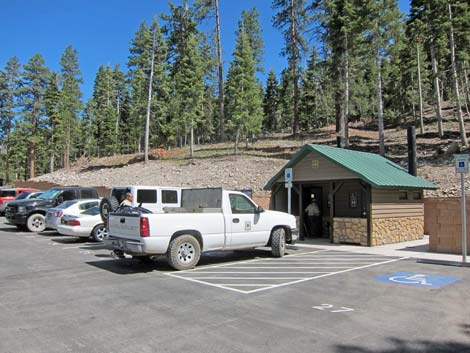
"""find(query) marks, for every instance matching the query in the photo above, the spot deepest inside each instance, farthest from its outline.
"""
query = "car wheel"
(184, 252)
(36, 223)
(108, 205)
(100, 233)
(278, 242)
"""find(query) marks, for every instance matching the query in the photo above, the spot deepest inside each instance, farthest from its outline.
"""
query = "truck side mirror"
(59, 200)
(259, 209)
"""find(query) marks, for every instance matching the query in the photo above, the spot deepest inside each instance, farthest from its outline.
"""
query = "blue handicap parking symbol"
(416, 279)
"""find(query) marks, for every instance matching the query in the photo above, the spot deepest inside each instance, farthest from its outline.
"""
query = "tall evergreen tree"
(187, 72)
(271, 103)
(293, 19)
(71, 95)
(35, 80)
(9, 90)
(249, 21)
(55, 134)
(244, 97)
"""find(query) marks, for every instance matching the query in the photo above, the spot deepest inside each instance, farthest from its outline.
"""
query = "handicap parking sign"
(417, 279)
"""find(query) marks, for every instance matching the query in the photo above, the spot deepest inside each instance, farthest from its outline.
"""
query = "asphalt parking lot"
(59, 294)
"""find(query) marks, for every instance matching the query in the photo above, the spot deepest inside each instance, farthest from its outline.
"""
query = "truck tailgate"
(124, 226)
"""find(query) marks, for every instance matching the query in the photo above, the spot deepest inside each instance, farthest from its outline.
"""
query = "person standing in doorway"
(313, 217)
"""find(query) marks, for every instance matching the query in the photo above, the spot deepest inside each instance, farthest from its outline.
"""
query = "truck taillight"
(58, 214)
(144, 227)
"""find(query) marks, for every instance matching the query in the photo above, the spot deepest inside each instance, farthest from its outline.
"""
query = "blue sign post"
(417, 279)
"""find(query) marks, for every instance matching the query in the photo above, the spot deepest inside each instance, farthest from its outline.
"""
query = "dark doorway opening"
(312, 207)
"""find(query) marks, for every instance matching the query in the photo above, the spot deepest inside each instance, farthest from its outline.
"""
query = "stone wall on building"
(443, 223)
(396, 229)
(350, 230)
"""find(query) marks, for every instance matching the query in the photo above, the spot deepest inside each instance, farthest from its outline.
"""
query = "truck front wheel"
(278, 242)
(184, 252)
(36, 223)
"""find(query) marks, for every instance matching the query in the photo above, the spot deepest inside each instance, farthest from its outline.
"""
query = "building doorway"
(312, 207)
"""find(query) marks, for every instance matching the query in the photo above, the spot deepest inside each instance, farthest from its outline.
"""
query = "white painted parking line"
(252, 276)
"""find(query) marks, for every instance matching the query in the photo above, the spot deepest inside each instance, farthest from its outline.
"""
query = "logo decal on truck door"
(247, 225)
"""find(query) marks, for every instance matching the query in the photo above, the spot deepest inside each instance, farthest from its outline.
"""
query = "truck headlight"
(20, 209)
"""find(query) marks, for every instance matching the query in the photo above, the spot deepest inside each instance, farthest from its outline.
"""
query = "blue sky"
(101, 30)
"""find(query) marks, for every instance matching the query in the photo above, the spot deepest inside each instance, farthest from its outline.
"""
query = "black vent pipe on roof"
(412, 159)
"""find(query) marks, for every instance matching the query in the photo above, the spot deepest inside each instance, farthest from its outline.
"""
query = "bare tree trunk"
(220, 74)
(463, 135)
(237, 140)
(191, 143)
(295, 121)
(380, 108)
(32, 146)
(420, 89)
(467, 88)
(149, 101)
(346, 93)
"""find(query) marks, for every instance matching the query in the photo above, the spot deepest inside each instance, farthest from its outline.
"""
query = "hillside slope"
(215, 165)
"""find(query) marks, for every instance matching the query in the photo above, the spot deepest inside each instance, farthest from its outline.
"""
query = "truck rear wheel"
(184, 252)
(36, 223)
(278, 242)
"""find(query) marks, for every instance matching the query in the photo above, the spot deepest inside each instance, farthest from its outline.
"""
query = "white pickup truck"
(208, 219)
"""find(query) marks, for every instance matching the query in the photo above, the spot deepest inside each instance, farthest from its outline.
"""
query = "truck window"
(68, 195)
(240, 204)
(146, 196)
(87, 194)
(169, 196)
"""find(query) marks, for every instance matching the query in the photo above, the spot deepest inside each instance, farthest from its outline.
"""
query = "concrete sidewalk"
(418, 249)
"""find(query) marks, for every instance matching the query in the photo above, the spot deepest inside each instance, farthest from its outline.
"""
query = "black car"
(30, 214)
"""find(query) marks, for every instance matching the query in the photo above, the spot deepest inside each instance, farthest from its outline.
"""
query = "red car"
(7, 195)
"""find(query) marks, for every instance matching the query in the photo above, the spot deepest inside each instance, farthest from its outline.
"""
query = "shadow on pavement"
(403, 346)
(134, 265)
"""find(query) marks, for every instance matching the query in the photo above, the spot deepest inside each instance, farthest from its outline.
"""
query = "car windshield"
(50, 194)
(22, 196)
(92, 211)
(34, 195)
(67, 204)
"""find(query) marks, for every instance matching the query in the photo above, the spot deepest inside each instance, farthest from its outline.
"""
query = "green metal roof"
(372, 168)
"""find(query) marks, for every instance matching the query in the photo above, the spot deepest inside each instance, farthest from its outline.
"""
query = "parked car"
(72, 207)
(31, 214)
(7, 195)
(208, 219)
(84, 225)
(153, 198)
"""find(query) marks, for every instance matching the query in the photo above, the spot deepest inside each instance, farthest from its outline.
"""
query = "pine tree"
(293, 20)
(10, 83)
(249, 21)
(35, 80)
(271, 103)
(187, 73)
(71, 95)
(244, 97)
(55, 133)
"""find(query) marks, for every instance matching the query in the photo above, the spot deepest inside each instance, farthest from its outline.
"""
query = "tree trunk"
(463, 135)
(295, 121)
(380, 107)
(420, 89)
(346, 92)
(467, 88)
(191, 142)
(32, 146)
(237, 140)
(149, 101)
(220, 74)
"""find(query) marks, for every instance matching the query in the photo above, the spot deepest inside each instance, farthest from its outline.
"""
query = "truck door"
(246, 225)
